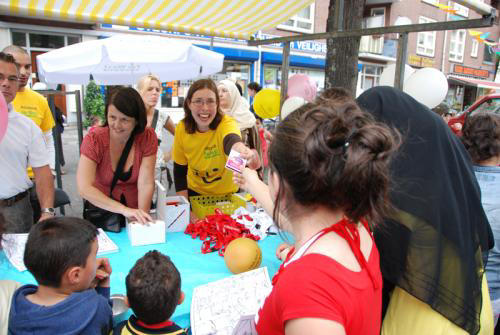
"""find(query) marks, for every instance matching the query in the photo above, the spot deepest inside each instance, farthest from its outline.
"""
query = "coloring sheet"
(217, 307)
(13, 247)
(106, 245)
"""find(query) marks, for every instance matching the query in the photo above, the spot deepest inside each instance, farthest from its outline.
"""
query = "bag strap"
(121, 163)
(155, 118)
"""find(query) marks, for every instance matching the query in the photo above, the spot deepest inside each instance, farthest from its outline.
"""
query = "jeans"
(18, 217)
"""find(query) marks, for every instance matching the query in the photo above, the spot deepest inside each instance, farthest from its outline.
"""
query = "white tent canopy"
(123, 59)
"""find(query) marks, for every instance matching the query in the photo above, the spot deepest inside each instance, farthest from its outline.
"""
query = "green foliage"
(93, 104)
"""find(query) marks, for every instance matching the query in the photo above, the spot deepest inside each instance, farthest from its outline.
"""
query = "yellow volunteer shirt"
(204, 155)
(34, 105)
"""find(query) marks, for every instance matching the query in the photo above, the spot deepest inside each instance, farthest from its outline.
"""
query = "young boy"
(153, 293)
(61, 255)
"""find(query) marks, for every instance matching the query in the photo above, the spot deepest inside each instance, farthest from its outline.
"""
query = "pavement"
(72, 155)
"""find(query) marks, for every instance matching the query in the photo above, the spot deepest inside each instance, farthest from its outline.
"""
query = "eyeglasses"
(201, 102)
(10, 79)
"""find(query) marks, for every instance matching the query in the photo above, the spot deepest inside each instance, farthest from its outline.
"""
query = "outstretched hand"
(245, 179)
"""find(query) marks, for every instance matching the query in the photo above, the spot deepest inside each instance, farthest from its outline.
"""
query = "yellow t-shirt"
(34, 105)
(204, 155)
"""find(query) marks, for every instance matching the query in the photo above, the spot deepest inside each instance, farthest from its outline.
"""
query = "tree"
(93, 104)
(342, 53)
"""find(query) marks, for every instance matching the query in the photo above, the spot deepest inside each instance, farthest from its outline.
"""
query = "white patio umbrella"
(123, 59)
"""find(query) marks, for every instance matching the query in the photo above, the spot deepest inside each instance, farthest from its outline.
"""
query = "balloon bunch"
(428, 86)
(301, 89)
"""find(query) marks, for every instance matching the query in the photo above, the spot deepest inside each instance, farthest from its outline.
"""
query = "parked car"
(487, 103)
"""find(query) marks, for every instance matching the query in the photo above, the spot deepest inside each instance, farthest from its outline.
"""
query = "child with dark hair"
(70, 298)
(328, 191)
(481, 138)
(153, 293)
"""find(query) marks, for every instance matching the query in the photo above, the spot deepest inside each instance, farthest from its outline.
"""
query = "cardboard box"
(174, 211)
(139, 234)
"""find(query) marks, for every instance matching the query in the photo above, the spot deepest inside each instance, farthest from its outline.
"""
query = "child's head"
(154, 288)
(339, 161)
(61, 252)
(481, 136)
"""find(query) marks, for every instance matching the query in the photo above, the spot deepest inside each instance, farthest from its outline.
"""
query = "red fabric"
(317, 286)
(217, 231)
(156, 325)
(263, 146)
(95, 146)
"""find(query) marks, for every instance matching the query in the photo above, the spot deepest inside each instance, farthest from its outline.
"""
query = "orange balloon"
(242, 254)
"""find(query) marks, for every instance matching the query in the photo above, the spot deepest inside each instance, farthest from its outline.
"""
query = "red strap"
(349, 232)
(160, 325)
(217, 231)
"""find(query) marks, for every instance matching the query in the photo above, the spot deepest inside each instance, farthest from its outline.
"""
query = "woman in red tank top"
(328, 179)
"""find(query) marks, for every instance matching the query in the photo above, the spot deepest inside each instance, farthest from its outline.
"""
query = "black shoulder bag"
(102, 218)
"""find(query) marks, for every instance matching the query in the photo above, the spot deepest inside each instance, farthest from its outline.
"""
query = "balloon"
(300, 85)
(387, 76)
(266, 103)
(290, 105)
(4, 116)
(242, 254)
(428, 86)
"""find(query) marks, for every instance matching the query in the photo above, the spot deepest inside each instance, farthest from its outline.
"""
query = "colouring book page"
(13, 247)
(217, 307)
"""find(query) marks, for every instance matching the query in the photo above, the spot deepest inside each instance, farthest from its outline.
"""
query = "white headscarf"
(239, 108)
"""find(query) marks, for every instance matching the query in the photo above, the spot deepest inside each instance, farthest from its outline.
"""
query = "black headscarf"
(433, 246)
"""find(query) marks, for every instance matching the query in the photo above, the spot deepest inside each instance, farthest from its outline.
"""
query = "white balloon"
(387, 76)
(428, 86)
(290, 105)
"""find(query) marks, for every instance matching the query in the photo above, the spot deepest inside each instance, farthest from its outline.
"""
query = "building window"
(461, 10)
(489, 54)
(431, 2)
(474, 48)
(370, 76)
(457, 44)
(426, 40)
(302, 22)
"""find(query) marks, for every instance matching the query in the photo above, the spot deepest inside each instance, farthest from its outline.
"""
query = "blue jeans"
(488, 178)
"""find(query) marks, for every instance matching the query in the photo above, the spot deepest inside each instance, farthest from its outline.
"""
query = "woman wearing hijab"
(234, 105)
(432, 247)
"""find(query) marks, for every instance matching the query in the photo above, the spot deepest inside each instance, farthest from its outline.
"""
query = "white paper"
(13, 247)
(216, 307)
(106, 245)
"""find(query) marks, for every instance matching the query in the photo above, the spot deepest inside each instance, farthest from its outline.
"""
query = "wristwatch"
(49, 210)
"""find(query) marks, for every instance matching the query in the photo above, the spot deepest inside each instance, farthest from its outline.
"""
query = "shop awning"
(475, 82)
(224, 18)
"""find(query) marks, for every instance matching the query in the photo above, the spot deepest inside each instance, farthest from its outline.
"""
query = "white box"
(176, 216)
(152, 233)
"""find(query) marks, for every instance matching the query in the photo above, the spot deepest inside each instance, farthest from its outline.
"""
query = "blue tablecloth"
(195, 268)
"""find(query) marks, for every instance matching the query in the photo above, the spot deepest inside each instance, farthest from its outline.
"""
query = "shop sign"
(420, 61)
(309, 46)
(460, 69)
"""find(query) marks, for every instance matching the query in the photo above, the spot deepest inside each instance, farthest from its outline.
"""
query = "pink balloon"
(301, 85)
(4, 117)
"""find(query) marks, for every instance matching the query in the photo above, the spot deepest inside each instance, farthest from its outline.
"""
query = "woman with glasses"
(202, 143)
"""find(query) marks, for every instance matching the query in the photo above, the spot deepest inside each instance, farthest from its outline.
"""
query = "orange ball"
(242, 254)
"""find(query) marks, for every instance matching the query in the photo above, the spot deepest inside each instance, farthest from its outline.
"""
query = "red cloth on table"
(95, 146)
(317, 286)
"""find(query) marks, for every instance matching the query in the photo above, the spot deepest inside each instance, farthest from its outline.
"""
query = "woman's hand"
(245, 179)
(251, 155)
(282, 251)
(135, 214)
